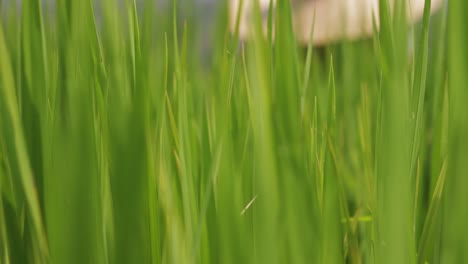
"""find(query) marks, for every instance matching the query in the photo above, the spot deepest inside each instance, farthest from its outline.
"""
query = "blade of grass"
(27, 179)
(454, 244)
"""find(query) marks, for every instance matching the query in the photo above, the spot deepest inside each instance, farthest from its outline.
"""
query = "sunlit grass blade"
(395, 244)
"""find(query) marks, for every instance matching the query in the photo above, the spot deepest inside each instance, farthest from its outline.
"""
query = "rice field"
(125, 139)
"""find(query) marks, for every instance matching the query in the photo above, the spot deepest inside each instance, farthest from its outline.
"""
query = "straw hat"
(334, 19)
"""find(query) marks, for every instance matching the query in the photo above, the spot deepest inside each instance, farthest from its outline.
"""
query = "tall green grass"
(119, 144)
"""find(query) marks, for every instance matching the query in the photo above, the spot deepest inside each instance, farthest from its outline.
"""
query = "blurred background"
(201, 14)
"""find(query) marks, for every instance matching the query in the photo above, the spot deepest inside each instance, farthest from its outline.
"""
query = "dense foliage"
(120, 144)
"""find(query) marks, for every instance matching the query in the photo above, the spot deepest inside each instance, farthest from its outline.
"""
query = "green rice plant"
(120, 144)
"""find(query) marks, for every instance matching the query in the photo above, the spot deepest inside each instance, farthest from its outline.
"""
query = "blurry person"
(333, 20)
